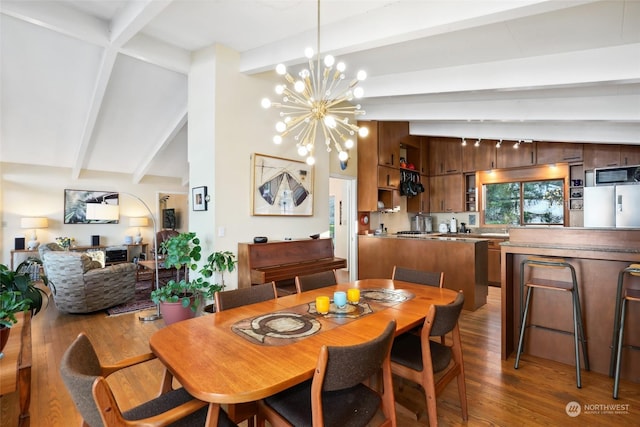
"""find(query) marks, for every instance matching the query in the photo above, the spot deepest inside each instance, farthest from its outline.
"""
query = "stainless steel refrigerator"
(612, 206)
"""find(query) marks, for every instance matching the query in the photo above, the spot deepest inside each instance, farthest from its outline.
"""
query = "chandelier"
(318, 101)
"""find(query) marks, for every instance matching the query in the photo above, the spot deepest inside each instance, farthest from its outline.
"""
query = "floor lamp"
(105, 212)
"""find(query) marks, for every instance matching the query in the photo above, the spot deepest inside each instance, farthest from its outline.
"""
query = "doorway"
(342, 219)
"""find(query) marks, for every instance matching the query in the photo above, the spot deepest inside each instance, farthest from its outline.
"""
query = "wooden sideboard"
(15, 366)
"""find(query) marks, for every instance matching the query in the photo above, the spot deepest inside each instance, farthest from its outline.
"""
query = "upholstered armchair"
(81, 285)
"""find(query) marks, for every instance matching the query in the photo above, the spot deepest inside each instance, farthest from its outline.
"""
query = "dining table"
(254, 351)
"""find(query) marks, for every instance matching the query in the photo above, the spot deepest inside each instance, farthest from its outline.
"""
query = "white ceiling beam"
(164, 141)
(57, 17)
(610, 64)
(156, 52)
(102, 80)
(134, 18)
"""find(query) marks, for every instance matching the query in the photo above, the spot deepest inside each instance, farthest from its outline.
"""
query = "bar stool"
(630, 295)
(578, 329)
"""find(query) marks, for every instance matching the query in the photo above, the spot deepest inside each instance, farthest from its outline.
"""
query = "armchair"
(80, 287)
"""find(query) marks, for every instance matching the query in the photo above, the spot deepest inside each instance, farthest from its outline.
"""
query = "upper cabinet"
(481, 156)
(558, 152)
(390, 135)
(509, 157)
(445, 156)
(607, 155)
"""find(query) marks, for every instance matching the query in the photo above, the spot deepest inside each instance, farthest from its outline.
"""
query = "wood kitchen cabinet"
(445, 156)
(558, 152)
(608, 155)
(383, 140)
(494, 263)
(420, 203)
(482, 157)
(388, 178)
(509, 157)
(390, 135)
(445, 193)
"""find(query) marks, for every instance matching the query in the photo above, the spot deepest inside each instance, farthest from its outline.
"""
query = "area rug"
(141, 300)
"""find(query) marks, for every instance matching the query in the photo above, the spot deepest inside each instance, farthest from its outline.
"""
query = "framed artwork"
(282, 187)
(75, 205)
(199, 198)
(169, 218)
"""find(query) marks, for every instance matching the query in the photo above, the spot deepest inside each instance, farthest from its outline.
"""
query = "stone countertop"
(591, 248)
(433, 236)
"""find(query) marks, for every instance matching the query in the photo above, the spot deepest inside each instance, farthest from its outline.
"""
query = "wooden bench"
(284, 260)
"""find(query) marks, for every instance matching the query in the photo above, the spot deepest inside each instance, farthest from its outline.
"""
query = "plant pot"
(173, 312)
(4, 337)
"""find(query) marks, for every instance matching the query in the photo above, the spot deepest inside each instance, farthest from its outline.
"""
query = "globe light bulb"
(299, 86)
(281, 126)
(302, 150)
(343, 155)
(363, 132)
(280, 89)
(277, 139)
(330, 121)
(362, 75)
(358, 92)
(281, 69)
(308, 52)
(329, 60)
(348, 144)
(341, 67)
(266, 103)
(311, 160)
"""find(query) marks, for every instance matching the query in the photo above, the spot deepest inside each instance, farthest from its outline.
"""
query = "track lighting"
(477, 143)
(499, 144)
(464, 142)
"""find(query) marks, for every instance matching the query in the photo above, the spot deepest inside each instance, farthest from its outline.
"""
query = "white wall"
(39, 191)
(226, 126)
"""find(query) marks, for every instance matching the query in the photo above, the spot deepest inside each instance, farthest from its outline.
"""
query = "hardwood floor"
(536, 394)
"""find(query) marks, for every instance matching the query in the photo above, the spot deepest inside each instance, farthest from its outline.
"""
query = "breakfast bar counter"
(598, 255)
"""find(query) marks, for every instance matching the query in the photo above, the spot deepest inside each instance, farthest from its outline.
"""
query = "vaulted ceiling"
(102, 84)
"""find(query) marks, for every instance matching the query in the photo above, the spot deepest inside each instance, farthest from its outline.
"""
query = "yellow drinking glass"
(322, 304)
(353, 295)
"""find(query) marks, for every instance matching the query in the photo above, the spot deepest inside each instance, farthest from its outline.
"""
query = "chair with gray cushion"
(429, 278)
(419, 358)
(85, 379)
(339, 393)
(317, 280)
(80, 285)
(227, 300)
(235, 298)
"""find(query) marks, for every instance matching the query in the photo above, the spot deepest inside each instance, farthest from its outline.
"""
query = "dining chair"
(418, 359)
(339, 393)
(227, 300)
(85, 379)
(309, 282)
(429, 278)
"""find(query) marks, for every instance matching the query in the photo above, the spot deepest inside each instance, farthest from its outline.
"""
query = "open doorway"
(342, 218)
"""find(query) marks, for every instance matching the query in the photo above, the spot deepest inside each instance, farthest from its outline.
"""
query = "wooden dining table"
(218, 363)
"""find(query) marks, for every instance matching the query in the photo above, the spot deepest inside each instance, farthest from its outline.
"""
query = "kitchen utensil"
(463, 227)
(453, 228)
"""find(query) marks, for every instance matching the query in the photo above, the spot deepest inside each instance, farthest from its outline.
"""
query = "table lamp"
(33, 224)
(138, 222)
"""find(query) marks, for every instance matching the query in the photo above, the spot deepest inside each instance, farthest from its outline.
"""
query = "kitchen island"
(598, 255)
(463, 260)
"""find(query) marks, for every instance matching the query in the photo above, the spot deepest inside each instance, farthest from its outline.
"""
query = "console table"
(139, 250)
(15, 365)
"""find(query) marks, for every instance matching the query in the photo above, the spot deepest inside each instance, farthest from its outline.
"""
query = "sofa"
(81, 285)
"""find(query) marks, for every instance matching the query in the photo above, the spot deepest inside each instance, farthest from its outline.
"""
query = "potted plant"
(20, 281)
(184, 295)
(217, 262)
(11, 302)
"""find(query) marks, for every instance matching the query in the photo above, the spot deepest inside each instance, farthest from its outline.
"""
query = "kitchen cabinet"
(576, 187)
(445, 156)
(481, 157)
(470, 193)
(445, 193)
(420, 203)
(390, 135)
(388, 178)
(383, 140)
(508, 157)
(607, 155)
(558, 152)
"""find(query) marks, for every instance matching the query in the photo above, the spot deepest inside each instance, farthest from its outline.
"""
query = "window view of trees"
(520, 203)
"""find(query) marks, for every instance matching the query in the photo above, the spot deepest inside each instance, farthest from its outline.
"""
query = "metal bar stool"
(578, 329)
(618, 326)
